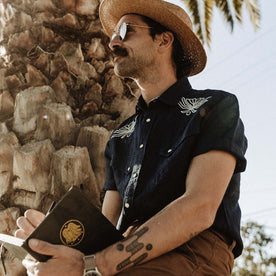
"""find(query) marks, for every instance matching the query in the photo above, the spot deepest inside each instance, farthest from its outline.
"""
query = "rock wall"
(59, 102)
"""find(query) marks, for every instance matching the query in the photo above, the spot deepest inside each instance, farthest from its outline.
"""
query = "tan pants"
(205, 254)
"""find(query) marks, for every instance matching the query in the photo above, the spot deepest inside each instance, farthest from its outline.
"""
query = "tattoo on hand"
(134, 247)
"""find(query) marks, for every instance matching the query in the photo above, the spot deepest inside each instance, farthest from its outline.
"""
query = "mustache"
(118, 51)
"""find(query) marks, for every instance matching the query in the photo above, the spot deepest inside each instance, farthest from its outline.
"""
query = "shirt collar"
(171, 96)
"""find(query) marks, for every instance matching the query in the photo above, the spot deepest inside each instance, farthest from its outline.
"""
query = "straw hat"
(169, 15)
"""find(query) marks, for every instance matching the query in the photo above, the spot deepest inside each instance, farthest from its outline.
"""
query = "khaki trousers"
(206, 254)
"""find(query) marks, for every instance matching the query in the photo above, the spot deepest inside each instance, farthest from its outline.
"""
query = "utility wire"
(260, 212)
(260, 191)
(248, 68)
(270, 227)
(256, 76)
(242, 48)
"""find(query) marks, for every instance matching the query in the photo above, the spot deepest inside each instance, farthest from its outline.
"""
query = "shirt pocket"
(186, 135)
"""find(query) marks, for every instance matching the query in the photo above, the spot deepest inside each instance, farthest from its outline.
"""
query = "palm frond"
(238, 8)
(254, 12)
(201, 11)
(209, 4)
(227, 8)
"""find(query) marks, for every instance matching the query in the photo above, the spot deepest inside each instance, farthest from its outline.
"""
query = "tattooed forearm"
(133, 247)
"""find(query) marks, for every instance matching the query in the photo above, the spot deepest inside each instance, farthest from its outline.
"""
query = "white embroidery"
(125, 131)
(190, 106)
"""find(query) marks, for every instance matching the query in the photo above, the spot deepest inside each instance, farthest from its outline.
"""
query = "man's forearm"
(177, 223)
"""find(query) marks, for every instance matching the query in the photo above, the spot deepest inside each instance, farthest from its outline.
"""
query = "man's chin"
(121, 70)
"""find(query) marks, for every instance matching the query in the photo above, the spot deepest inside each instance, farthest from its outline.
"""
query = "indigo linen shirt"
(149, 155)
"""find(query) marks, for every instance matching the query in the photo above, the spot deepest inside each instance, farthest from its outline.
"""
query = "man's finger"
(20, 234)
(34, 217)
(25, 225)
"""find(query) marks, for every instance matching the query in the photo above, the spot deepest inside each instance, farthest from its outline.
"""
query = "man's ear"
(165, 40)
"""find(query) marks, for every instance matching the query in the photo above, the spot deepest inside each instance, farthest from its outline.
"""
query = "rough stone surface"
(43, 63)
(86, 7)
(13, 266)
(3, 84)
(28, 199)
(95, 139)
(13, 81)
(96, 49)
(71, 167)
(31, 166)
(42, 5)
(55, 121)
(8, 220)
(125, 107)
(6, 105)
(71, 21)
(60, 89)
(7, 144)
(8, 226)
(27, 105)
(34, 77)
(114, 86)
(48, 36)
(72, 53)
(23, 40)
(3, 128)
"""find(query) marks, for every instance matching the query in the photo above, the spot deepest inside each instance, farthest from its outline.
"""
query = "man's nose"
(115, 41)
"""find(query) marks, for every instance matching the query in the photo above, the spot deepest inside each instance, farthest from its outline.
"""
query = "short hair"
(182, 63)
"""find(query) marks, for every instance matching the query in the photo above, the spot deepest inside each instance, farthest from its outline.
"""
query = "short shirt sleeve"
(222, 129)
(109, 182)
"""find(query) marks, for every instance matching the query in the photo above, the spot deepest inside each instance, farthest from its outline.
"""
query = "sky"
(244, 63)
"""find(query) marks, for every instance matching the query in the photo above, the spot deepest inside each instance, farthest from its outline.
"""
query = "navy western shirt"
(149, 155)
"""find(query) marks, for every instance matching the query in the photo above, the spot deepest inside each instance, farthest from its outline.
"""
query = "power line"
(260, 191)
(243, 47)
(248, 68)
(260, 212)
(267, 69)
(270, 227)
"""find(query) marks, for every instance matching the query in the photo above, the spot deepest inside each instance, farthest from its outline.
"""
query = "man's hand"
(28, 223)
(65, 260)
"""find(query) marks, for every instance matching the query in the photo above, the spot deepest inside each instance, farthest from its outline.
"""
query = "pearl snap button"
(170, 150)
(127, 205)
(148, 120)
(141, 146)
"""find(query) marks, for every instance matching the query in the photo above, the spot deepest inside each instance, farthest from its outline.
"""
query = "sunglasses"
(123, 29)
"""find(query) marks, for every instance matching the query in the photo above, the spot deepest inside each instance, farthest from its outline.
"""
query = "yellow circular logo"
(72, 232)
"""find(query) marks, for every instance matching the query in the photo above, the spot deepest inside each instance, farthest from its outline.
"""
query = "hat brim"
(111, 12)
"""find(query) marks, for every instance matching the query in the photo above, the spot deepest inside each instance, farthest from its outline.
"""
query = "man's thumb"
(43, 247)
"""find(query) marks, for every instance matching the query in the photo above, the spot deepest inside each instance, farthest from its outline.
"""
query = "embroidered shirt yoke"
(148, 156)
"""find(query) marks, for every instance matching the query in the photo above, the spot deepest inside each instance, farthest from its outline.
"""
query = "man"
(172, 168)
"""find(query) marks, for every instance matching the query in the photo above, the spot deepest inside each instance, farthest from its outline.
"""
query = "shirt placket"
(143, 129)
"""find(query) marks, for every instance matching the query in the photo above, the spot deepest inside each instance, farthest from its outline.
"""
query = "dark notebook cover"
(73, 222)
